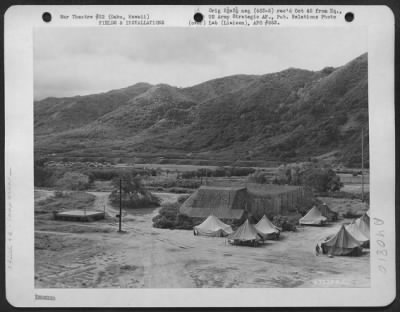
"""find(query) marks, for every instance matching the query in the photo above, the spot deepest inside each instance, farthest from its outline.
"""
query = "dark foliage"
(170, 218)
(134, 194)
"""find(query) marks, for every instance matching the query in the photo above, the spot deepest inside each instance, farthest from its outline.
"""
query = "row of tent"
(349, 240)
(247, 233)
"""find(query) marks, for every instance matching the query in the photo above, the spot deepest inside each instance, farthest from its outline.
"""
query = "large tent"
(326, 212)
(355, 231)
(246, 234)
(212, 226)
(267, 229)
(363, 224)
(341, 244)
(360, 229)
(313, 217)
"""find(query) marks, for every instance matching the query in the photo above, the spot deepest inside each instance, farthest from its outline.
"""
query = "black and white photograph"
(178, 157)
(219, 156)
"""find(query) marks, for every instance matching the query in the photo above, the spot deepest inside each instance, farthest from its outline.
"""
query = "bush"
(317, 176)
(134, 194)
(321, 180)
(169, 218)
(284, 223)
(73, 181)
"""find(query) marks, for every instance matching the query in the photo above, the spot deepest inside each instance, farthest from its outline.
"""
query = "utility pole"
(362, 164)
(120, 205)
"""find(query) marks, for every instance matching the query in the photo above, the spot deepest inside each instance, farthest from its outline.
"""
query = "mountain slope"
(293, 114)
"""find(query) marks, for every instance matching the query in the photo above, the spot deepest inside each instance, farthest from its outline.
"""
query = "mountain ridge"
(289, 115)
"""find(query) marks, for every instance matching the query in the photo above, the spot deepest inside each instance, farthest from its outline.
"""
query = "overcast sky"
(79, 61)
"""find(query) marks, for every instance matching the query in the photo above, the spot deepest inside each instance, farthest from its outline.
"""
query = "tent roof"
(342, 239)
(313, 214)
(246, 232)
(354, 230)
(219, 201)
(362, 224)
(212, 223)
(265, 226)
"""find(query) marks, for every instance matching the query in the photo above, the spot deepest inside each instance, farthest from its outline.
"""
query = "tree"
(315, 175)
(134, 193)
(321, 180)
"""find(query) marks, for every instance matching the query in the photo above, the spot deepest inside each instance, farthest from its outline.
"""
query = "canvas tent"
(313, 217)
(212, 226)
(246, 234)
(327, 213)
(360, 229)
(355, 231)
(363, 224)
(267, 229)
(341, 244)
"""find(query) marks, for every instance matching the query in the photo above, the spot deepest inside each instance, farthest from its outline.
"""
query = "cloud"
(72, 61)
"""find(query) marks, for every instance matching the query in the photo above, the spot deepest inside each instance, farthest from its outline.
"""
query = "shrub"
(134, 194)
(321, 180)
(284, 223)
(316, 176)
(169, 218)
(73, 181)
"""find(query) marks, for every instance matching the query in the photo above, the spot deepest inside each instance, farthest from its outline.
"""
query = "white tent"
(313, 217)
(246, 234)
(355, 231)
(341, 244)
(212, 226)
(267, 229)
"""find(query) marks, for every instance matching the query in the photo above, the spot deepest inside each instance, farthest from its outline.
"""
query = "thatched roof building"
(222, 202)
(237, 202)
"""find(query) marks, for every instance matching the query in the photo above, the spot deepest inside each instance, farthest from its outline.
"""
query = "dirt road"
(147, 257)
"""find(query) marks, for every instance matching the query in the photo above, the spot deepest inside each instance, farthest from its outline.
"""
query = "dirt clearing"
(146, 257)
